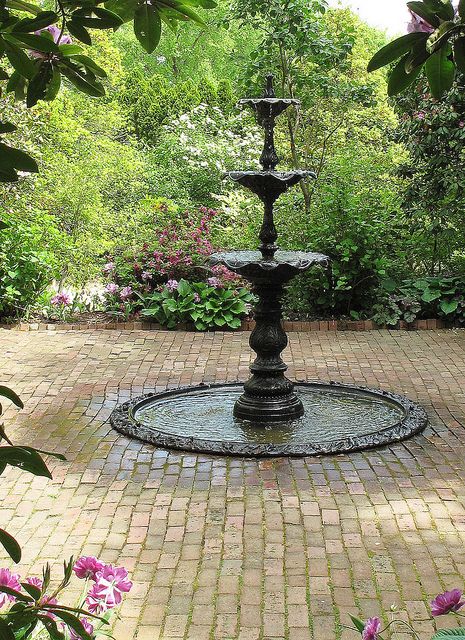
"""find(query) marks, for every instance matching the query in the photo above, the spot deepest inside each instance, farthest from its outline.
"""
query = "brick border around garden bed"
(247, 325)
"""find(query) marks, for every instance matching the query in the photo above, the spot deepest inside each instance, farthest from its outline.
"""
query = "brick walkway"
(245, 549)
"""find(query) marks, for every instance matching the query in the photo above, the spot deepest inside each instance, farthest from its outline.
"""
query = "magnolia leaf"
(11, 546)
(79, 32)
(417, 58)
(422, 10)
(8, 393)
(400, 79)
(42, 20)
(442, 8)
(33, 42)
(25, 458)
(88, 63)
(441, 35)
(147, 26)
(124, 8)
(38, 86)
(20, 61)
(83, 81)
(395, 49)
(32, 590)
(21, 5)
(459, 54)
(53, 86)
(440, 72)
(110, 17)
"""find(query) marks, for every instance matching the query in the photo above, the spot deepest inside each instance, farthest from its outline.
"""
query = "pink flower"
(214, 282)
(420, 115)
(447, 602)
(87, 626)
(372, 629)
(48, 601)
(61, 300)
(58, 38)
(112, 288)
(146, 275)
(196, 297)
(461, 124)
(172, 285)
(111, 583)
(418, 24)
(125, 293)
(36, 582)
(11, 580)
(108, 268)
(87, 567)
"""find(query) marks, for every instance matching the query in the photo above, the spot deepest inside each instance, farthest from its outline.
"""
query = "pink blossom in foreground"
(418, 25)
(58, 38)
(107, 592)
(35, 582)
(372, 629)
(87, 567)
(450, 601)
(11, 580)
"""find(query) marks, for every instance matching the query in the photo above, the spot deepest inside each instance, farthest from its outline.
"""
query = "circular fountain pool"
(337, 419)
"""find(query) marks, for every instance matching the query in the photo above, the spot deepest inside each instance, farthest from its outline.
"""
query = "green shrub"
(207, 306)
(25, 270)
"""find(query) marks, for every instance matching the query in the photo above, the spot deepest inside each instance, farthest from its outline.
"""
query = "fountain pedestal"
(268, 395)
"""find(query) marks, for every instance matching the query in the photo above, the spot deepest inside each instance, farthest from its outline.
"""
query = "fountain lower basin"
(337, 419)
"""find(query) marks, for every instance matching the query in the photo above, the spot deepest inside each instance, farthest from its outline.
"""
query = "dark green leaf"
(399, 79)
(8, 175)
(440, 36)
(33, 42)
(53, 86)
(3, 75)
(17, 594)
(7, 127)
(461, 9)
(11, 546)
(5, 631)
(442, 8)
(8, 393)
(395, 49)
(111, 18)
(83, 81)
(459, 54)
(32, 590)
(359, 624)
(147, 26)
(440, 72)
(72, 622)
(88, 63)
(79, 32)
(52, 628)
(124, 8)
(449, 306)
(183, 10)
(42, 20)
(21, 61)
(25, 458)
(38, 86)
(17, 84)
(417, 58)
(11, 158)
(422, 10)
(21, 5)
(70, 49)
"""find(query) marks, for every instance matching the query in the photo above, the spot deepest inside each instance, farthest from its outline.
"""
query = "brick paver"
(233, 548)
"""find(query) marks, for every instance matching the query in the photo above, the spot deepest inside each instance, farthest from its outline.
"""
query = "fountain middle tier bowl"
(338, 419)
(269, 184)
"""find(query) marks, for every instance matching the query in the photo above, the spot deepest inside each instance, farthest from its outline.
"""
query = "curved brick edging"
(247, 325)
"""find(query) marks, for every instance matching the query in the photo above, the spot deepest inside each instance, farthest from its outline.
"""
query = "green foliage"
(205, 306)
(24, 268)
(433, 297)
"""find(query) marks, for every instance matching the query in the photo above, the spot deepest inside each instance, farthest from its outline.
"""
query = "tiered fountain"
(269, 415)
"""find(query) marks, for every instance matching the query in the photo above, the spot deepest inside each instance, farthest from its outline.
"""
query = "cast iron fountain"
(270, 415)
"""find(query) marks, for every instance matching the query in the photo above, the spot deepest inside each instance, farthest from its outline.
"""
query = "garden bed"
(247, 325)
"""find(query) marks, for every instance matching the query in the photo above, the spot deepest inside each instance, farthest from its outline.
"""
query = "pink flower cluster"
(109, 583)
(61, 300)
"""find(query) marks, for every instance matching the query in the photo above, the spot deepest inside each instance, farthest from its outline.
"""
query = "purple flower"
(57, 36)
(372, 629)
(214, 282)
(172, 285)
(146, 275)
(87, 567)
(108, 268)
(87, 626)
(447, 602)
(196, 297)
(61, 300)
(461, 124)
(107, 592)
(36, 582)
(125, 293)
(112, 288)
(420, 115)
(418, 25)
(11, 580)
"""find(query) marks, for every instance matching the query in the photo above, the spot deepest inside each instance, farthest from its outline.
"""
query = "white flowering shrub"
(198, 147)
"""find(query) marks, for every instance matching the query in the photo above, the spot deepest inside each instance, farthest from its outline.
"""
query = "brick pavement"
(231, 548)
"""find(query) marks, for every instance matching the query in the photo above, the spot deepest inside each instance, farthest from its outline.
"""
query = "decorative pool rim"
(415, 420)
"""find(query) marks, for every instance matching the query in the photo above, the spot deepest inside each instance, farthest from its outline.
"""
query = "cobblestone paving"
(231, 548)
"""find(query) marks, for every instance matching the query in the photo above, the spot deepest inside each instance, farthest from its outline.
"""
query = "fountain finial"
(269, 89)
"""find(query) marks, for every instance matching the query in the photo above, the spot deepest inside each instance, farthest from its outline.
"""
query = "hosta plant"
(207, 305)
